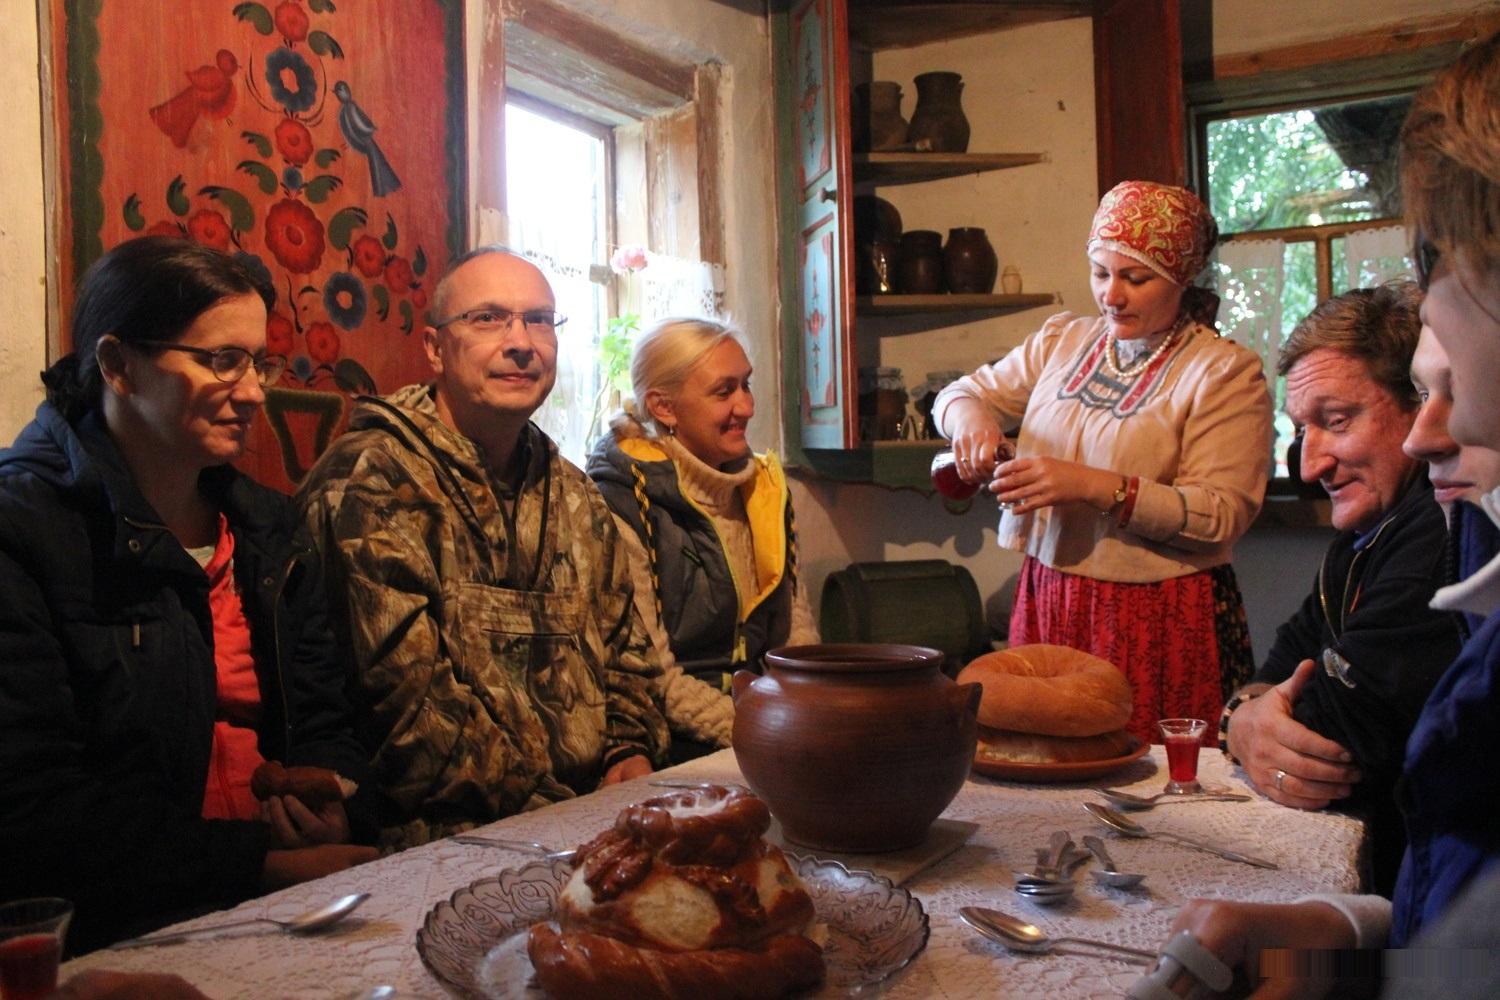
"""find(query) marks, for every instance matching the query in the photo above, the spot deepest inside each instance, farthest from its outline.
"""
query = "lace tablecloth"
(1317, 852)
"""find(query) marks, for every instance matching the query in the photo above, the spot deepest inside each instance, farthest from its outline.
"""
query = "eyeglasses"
(1426, 255)
(229, 364)
(493, 319)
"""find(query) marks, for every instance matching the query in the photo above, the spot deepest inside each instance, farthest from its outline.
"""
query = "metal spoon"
(1131, 828)
(1046, 895)
(1018, 935)
(1111, 875)
(547, 853)
(307, 923)
(1125, 800)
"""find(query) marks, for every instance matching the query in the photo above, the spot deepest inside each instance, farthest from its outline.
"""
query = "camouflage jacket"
(502, 664)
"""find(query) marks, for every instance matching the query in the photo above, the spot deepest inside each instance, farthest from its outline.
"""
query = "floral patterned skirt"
(1182, 643)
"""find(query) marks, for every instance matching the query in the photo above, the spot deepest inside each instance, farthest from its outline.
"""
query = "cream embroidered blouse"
(1195, 426)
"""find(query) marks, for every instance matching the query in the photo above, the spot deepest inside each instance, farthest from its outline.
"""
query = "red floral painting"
(319, 141)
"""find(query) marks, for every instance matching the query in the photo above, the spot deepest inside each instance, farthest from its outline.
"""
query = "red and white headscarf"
(1166, 228)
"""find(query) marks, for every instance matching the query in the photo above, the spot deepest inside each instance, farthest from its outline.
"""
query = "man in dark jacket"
(1328, 713)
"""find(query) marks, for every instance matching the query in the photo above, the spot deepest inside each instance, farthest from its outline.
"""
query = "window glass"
(558, 202)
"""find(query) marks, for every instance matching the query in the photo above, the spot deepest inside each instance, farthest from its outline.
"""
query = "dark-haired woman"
(162, 626)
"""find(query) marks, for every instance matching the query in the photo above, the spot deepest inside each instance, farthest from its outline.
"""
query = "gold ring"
(1280, 777)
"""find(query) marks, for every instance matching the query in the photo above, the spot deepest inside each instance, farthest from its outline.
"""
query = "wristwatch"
(1121, 492)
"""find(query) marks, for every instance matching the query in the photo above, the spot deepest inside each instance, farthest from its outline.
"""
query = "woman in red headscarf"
(1143, 453)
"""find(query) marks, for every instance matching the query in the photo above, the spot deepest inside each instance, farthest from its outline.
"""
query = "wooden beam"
(572, 31)
(710, 165)
(1405, 36)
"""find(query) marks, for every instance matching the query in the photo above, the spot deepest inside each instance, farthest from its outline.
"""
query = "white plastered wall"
(23, 330)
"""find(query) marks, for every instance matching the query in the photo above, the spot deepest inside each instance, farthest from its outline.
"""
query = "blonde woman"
(708, 521)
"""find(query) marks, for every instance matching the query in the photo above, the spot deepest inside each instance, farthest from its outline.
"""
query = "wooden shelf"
(911, 305)
(901, 24)
(912, 168)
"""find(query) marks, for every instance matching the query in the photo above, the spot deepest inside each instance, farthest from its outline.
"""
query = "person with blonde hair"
(708, 522)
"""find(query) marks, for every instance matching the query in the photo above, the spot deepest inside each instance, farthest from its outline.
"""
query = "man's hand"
(1238, 932)
(103, 984)
(295, 825)
(632, 767)
(1027, 484)
(284, 868)
(1267, 740)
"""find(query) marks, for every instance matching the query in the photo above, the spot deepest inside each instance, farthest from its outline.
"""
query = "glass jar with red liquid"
(1183, 739)
(947, 481)
(31, 938)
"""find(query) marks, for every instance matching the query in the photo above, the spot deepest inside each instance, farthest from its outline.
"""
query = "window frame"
(1293, 89)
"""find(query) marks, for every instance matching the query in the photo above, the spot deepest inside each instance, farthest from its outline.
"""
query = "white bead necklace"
(1122, 372)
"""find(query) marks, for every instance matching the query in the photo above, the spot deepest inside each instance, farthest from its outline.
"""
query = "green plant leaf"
(324, 157)
(407, 317)
(176, 200)
(341, 227)
(390, 239)
(323, 44)
(320, 6)
(352, 377)
(419, 262)
(241, 215)
(320, 187)
(382, 301)
(256, 15)
(264, 176)
(261, 143)
(132, 211)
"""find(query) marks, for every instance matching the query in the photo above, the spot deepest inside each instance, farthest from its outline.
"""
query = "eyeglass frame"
(1425, 255)
(510, 317)
(214, 353)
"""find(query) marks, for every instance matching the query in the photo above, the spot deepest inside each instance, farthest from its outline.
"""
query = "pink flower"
(627, 259)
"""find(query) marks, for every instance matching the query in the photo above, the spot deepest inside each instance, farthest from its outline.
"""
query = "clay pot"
(969, 262)
(938, 124)
(919, 269)
(875, 267)
(887, 127)
(854, 747)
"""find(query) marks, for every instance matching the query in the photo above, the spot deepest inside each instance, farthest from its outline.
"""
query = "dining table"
(1316, 852)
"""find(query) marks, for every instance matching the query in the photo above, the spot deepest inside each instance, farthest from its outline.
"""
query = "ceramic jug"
(855, 747)
(938, 123)
(969, 261)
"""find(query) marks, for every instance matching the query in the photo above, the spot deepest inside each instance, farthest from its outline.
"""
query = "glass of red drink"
(31, 939)
(1183, 738)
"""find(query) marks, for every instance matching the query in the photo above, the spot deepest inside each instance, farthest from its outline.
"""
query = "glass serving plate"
(475, 941)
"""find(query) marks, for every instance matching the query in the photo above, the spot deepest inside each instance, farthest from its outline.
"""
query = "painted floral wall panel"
(319, 140)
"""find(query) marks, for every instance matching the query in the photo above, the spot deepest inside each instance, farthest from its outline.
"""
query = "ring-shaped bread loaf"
(1051, 690)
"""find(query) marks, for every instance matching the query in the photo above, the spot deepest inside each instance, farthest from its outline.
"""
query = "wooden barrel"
(920, 602)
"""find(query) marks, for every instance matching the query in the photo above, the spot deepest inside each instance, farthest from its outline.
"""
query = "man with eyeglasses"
(479, 578)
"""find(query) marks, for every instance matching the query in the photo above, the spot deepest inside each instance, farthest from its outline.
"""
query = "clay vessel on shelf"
(938, 123)
(919, 267)
(855, 748)
(887, 127)
(969, 262)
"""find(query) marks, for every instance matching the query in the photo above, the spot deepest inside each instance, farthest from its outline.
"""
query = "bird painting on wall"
(210, 92)
(359, 132)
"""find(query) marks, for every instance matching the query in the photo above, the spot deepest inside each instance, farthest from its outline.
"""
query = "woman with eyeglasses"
(708, 522)
(163, 628)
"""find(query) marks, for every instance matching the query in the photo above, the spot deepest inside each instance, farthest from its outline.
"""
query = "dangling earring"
(671, 430)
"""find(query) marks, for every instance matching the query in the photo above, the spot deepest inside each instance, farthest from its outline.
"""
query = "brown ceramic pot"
(919, 263)
(969, 262)
(854, 747)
